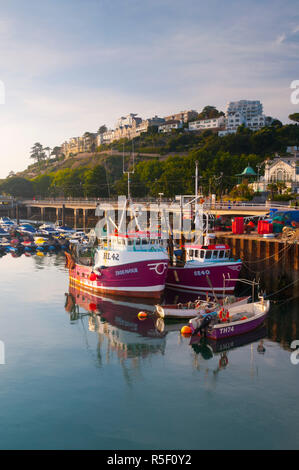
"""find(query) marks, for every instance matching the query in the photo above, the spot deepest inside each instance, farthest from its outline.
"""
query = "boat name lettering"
(202, 273)
(126, 271)
(228, 329)
(114, 256)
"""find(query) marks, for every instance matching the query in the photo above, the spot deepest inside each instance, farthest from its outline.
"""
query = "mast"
(128, 171)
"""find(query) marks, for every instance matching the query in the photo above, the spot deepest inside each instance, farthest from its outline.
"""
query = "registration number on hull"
(108, 256)
(227, 329)
(205, 272)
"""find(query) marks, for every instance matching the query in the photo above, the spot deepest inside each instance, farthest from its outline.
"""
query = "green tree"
(68, 183)
(17, 186)
(294, 117)
(95, 182)
(56, 152)
(42, 185)
(37, 152)
(272, 187)
(102, 129)
(210, 112)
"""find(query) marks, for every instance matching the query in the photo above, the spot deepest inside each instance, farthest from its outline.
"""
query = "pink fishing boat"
(132, 265)
(204, 270)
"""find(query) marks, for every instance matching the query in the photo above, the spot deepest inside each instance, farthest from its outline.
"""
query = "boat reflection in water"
(116, 322)
(205, 349)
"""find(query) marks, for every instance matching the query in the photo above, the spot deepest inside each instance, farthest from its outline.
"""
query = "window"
(202, 254)
(196, 254)
(190, 253)
(138, 241)
(130, 242)
(208, 254)
(144, 241)
(221, 254)
(215, 254)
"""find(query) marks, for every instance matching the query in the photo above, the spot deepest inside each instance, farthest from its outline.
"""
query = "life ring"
(224, 315)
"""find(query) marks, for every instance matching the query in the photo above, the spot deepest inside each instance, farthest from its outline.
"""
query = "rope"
(282, 289)
(268, 267)
(274, 254)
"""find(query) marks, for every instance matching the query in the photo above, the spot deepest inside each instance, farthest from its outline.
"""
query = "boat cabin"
(208, 253)
(136, 241)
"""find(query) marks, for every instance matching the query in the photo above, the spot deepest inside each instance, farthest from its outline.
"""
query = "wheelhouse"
(208, 253)
(137, 241)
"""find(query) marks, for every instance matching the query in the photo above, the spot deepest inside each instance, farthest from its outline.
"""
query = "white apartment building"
(247, 108)
(234, 120)
(170, 125)
(244, 112)
(213, 123)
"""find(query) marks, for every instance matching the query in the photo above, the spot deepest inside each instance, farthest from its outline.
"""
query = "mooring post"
(84, 219)
(63, 214)
(295, 258)
(17, 214)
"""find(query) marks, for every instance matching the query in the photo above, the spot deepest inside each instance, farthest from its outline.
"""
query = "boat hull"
(195, 279)
(175, 312)
(227, 331)
(140, 279)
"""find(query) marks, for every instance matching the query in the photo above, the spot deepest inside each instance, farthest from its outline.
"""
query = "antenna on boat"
(128, 171)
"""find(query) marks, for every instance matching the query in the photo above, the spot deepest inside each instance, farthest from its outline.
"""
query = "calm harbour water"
(78, 381)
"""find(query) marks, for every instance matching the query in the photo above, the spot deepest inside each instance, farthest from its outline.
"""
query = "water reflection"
(120, 333)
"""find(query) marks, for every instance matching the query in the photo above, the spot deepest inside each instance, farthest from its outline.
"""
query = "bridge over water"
(83, 209)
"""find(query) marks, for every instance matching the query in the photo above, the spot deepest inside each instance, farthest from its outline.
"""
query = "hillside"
(168, 169)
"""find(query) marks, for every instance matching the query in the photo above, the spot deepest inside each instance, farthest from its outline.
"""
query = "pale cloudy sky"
(69, 66)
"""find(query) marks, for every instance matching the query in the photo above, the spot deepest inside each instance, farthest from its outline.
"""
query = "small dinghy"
(236, 321)
(193, 309)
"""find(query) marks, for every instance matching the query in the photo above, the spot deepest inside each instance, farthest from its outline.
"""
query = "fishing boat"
(131, 264)
(240, 320)
(204, 268)
(193, 309)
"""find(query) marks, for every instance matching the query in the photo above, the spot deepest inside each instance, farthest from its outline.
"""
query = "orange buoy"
(142, 315)
(244, 318)
(92, 307)
(186, 330)
(92, 277)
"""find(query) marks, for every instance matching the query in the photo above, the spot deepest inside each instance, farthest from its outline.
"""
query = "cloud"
(281, 38)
